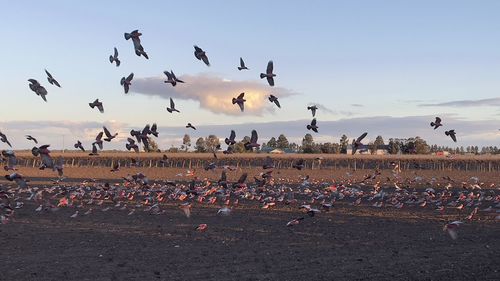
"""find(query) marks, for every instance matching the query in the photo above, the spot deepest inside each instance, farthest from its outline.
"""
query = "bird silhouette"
(172, 106)
(126, 82)
(451, 134)
(201, 55)
(242, 65)
(51, 79)
(240, 101)
(313, 126)
(269, 75)
(436, 124)
(114, 58)
(274, 99)
(97, 104)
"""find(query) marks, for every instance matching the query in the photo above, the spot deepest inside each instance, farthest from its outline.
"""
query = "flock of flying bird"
(133, 195)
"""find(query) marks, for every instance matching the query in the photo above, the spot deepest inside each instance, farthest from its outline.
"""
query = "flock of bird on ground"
(139, 192)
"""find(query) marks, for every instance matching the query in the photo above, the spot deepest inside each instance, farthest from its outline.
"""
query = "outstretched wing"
(99, 136)
(106, 131)
(270, 67)
(313, 122)
(361, 137)
(130, 77)
(254, 137)
(242, 95)
(232, 136)
(172, 104)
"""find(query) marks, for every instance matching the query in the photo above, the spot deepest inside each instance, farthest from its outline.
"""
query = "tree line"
(412, 145)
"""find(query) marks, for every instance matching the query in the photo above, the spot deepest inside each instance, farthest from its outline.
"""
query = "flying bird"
(357, 142)
(274, 99)
(154, 130)
(132, 145)
(452, 228)
(114, 58)
(98, 140)
(79, 145)
(28, 137)
(312, 109)
(452, 135)
(138, 48)
(313, 126)
(11, 160)
(436, 124)
(172, 106)
(171, 78)
(126, 82)
(242, 65)
(94, 150)
(51, 79)
(97, 104)
(4, 139)
(38, 89)
(230, 140)
(109, 136)
(189, 125)
(269, 74)
(253, 141)
(240, 101)
(18, 179)
(201, 55)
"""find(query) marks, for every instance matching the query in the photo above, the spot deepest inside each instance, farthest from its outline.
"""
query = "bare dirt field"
(348, 242)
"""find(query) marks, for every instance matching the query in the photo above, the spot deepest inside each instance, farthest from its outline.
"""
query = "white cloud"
(213, 93)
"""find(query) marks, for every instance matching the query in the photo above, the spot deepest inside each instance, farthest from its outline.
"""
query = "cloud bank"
(477, 132)
(213, 93)
(466, 103)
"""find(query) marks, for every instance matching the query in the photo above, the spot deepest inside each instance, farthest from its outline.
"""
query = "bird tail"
(92, 105)
(117, 62)
(169, 110)
(309, 127)
(127, 36)
(262, 75)
(128, 146)
(446, 133)
(433, 124)
(234, 100)
(111, 59)
(122, 81)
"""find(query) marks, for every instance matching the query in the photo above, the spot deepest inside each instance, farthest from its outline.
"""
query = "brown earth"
(347, 243)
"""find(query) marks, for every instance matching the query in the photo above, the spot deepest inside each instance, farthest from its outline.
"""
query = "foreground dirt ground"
(348, 243)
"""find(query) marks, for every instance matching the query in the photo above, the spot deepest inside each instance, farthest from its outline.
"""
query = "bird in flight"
(139, 50)
(240, 101)
(28, 137)
(97, 104)
(436, 124)
(451, 134)
(38, 89)
(79, 145)
(172, 106)
(4, 139)
(357, 142)
(253, 141)
(242, 65)
(312, 109)
(189, 125)
(313, 126)
(274, 99)
(269, 75)
(114, 58)
(201, 55)
(230, 140)
(171, 78)
(126, 82)
(51, 79)
(109, 136)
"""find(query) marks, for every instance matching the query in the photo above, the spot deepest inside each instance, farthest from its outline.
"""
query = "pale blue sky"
(388, 56)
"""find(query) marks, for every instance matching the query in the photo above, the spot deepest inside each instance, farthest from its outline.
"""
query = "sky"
(384, 67)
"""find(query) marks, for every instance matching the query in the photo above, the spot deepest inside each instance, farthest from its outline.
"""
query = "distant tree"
(379, 141)
(186, 142)
(173, 149)
(421, 146)
(153, 146)
(282, 142)
(293, 146)
(272, 143)
(239, 147)
(393, 149)
(308, 144)
(211, 142)
(200, 145)
(344, 143)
